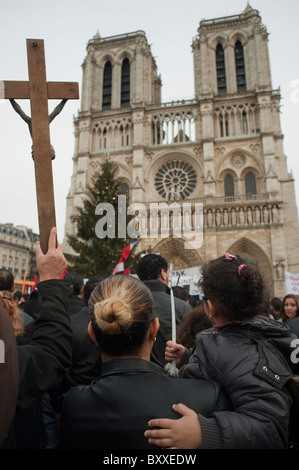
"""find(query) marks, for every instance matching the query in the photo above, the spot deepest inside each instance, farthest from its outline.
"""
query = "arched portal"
(173, 250)
(250, 250)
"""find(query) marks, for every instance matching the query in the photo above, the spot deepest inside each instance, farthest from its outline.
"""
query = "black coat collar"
(156, 285)
(127, 366)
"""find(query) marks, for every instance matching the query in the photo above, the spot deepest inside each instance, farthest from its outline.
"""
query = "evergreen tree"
(99, 255)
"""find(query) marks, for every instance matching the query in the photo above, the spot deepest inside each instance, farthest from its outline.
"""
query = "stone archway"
(172, 249)
(249, 249)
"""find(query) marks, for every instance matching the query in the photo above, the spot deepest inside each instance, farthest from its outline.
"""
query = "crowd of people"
(86, 363)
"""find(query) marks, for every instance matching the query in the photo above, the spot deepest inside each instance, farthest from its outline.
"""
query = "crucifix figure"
(38, 90)
(27, 119)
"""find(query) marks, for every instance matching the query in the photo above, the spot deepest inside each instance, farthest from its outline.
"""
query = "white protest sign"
(292, 283)
(188, 277)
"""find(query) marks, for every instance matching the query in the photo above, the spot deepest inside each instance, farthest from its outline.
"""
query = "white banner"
(292, 283)
(189, 277)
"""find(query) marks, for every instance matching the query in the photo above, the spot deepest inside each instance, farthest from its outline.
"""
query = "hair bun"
(113, 315)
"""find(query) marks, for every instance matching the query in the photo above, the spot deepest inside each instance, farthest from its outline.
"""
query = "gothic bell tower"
(119, 80)
(119, 72)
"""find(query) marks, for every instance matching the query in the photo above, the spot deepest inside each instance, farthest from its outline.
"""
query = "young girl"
(248, 355)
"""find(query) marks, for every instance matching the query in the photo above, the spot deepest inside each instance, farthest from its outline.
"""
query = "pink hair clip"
(240, 268)
(229, 257)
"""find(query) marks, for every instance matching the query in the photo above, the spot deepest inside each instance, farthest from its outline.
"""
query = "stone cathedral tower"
(224, 148)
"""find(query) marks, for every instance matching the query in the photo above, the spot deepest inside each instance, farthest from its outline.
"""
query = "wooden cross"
(24, 283)
(38, 90)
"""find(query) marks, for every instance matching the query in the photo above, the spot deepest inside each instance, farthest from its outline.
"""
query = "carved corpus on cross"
(38, 90)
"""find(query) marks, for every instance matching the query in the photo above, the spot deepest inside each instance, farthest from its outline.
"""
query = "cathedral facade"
(221, 151)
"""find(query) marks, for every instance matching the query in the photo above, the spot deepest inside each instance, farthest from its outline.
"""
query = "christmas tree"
(99, 255)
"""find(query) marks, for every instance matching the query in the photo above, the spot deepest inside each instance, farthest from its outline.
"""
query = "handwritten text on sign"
(292, 283)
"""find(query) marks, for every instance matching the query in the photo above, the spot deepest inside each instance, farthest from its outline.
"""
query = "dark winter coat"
(251, 360)
(86, 358)
(42, 362)
(113, 412)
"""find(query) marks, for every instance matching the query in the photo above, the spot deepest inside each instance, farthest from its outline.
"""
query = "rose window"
(175, 180)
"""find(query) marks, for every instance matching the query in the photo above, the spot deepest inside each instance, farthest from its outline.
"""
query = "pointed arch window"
(224, 125)
(250, 186)
(107, 86)
(220, 68)
(125, 83)
(240, 67)
(229, 188)
(244, 123)
(124, 189)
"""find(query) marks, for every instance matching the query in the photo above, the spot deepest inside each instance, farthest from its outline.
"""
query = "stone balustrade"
(218, 213)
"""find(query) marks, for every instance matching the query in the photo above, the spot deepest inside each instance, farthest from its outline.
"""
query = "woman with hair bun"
(113, 412)
(249, 355)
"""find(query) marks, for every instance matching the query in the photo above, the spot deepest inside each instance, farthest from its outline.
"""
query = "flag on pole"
(120, 267)
(64, 273)
(171, 366)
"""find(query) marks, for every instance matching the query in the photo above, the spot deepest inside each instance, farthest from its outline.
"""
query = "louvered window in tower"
(250, 186)
(125, 83)
(229, 188)
(107, 86)
(240, 67)
(220, 68)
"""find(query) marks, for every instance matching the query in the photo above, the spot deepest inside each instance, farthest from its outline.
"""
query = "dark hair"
(120, 308)
(283, 316)
(193, 322)
(276, 303)
(191, 301)
(17, 295)
(6, 280)
(75, 280)
(180, 292)
(90, 285)
(236, 287)
(150, 266)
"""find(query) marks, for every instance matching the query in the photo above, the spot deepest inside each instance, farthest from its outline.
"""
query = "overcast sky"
(170, 25)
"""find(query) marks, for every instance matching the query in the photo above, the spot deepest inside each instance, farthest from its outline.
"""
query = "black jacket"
(113, 412)
(75, 305)
(251, 360)
(162, 309)
(86, 363)
(294, 325)
(42, 362)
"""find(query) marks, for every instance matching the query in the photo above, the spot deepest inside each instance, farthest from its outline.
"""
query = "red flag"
(120, 267)
(35, 281)
(64, 273)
